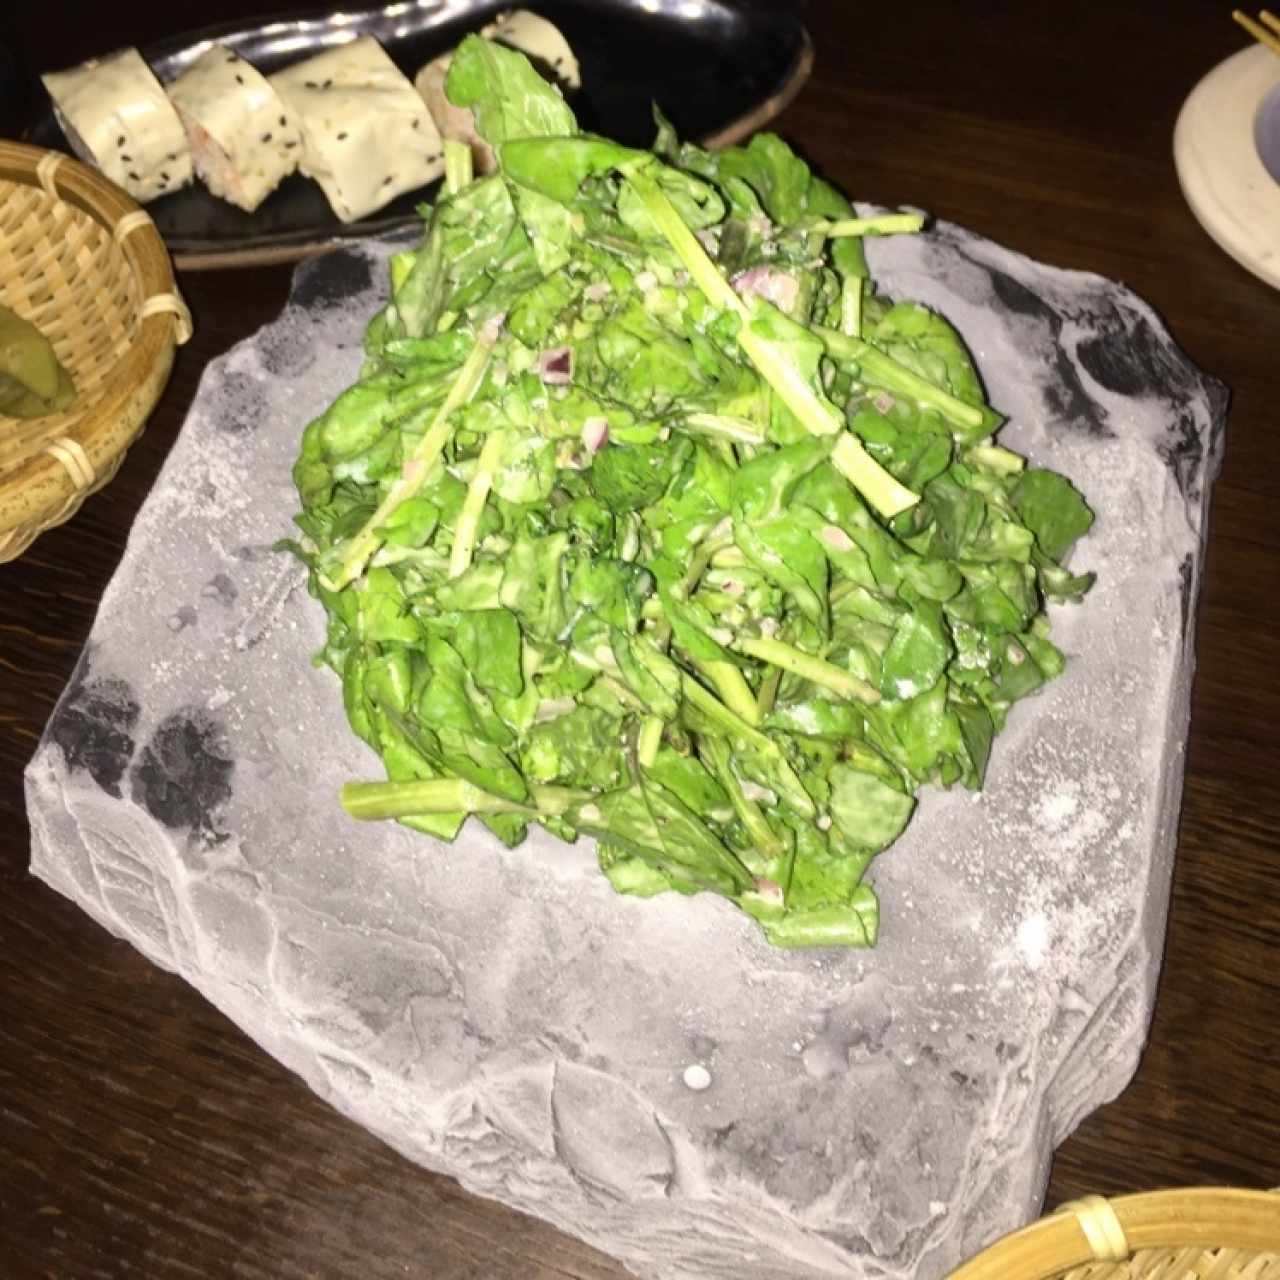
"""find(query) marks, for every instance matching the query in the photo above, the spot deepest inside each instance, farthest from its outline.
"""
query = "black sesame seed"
(173, 156)
(290, 145)
(125, 158)
(342, 136)
(134, 176)
(239, 78)
(326, 84)
(310, 84)
(436, 156)
(120, 141)
(266, 137)
(164, 175)
(163, 184)
(283, 122)
(416, 122)
(386, 182)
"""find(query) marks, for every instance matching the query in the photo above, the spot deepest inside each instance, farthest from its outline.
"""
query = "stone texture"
(502, 1015)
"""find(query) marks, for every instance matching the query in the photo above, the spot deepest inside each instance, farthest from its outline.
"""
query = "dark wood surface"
(141, 1134)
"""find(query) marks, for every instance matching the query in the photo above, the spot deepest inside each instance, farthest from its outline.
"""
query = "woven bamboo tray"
(1202, 1233)
(82, 262)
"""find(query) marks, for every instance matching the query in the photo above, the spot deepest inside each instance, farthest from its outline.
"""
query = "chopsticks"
(1260, 33)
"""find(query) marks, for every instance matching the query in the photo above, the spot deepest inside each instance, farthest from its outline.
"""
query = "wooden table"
(143, 1134)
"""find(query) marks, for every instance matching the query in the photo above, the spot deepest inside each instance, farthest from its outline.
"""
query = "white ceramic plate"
(1215, 149)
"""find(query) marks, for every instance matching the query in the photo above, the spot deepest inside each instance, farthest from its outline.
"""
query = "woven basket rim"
(1205, 1217)
(150, 354)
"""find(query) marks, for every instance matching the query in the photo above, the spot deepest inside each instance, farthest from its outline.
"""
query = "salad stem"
(373, 801)
(716, 751)
(739, 430)
(458, 169)
(870, 478)
(418, 465)
(818, 670)
(788, 784)
(464, 534)
(818, 417)
(650, 740)
(851, 307)
(732, 688)
(885, 371)
(885, 224)
(996, 458)
(768, 691)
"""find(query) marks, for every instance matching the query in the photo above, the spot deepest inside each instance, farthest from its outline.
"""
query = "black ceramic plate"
(718, 68)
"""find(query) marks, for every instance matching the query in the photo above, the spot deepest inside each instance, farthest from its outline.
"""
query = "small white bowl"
(1229, 114)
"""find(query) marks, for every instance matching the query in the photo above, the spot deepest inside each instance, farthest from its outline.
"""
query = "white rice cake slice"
(367, 135)
(116, 116)
(244, 139)
(521, 30)
(541, 41)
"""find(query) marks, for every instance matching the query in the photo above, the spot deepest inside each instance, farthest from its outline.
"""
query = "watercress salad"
(649, 518)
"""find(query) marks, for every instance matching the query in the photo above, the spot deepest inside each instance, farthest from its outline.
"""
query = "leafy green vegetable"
(648, 518)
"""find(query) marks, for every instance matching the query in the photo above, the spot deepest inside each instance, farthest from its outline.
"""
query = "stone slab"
(501, 1015)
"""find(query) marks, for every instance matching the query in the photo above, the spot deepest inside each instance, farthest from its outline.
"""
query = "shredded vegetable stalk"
(457, 165)
(464, 537)
(357, 552)
(885, 224)
(884, 493)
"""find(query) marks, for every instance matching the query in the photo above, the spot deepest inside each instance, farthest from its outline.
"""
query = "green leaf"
(867, 810)
(581, 747)
(649, 822)
(630, 477)
(508, 98)
(918, 653)
(488, 642)
(1052, 509)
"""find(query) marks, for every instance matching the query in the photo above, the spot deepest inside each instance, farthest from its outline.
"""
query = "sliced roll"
(541, 42)
(116, 116)
(244, 139)
(367, 135)
(527, 33)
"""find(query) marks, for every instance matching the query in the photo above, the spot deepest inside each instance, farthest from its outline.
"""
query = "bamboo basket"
(1201, 1233)
(81, 261)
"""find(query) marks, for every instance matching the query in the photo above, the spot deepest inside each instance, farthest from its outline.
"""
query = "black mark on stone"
(1186, 583)
(1131, 358)
(254, 553)
(1182, 451)
(1016, 297)
(330, 279)
(1006, 1052)
(1194, 454)
(1066, 399)
(94, 726)
(185, 617)
(286, 350)
(240, 403)
(222, 589)
(183, 775)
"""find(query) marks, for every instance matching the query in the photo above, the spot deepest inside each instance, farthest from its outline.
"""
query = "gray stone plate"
(500, 1014)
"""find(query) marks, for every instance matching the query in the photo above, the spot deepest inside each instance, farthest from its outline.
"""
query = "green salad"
(650, 519)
